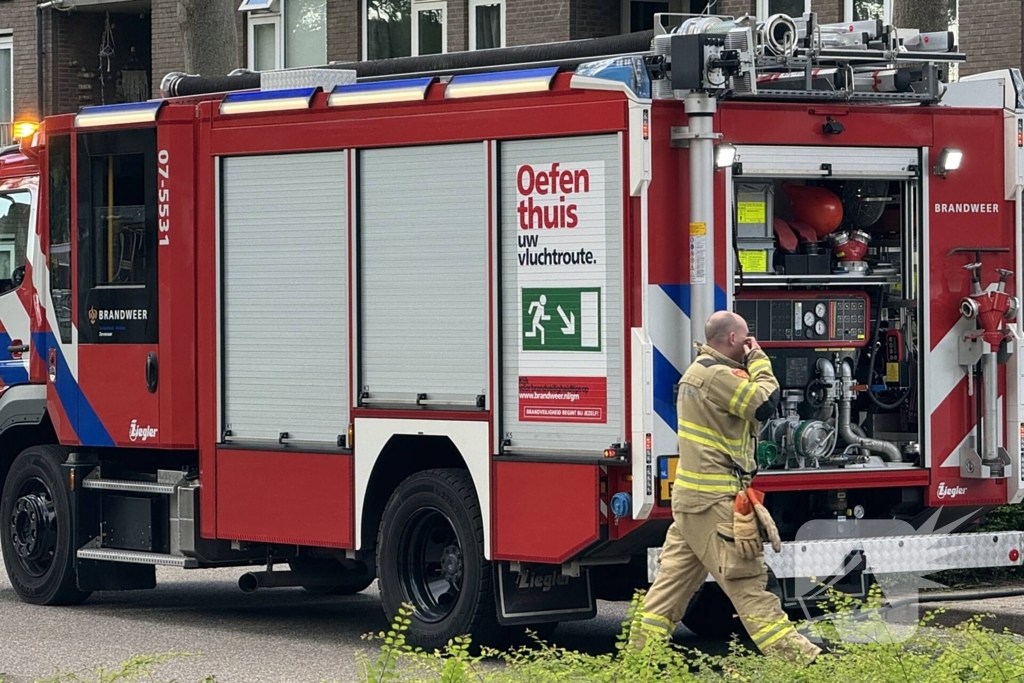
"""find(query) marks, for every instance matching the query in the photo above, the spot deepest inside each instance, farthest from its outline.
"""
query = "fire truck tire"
(430, 553)
(35, 529)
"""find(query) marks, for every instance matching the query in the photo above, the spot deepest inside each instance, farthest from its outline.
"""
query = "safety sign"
(561, 319)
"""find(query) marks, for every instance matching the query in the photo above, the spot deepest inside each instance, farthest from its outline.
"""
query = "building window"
(400, 28)
(638, 15)
(486, 24)
(861, 10)
(6, 89)
(286, 33)
(793, 8)
(431, 34)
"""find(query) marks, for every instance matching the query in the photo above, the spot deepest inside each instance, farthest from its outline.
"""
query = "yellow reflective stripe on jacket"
(721, 441)
(758, 366)
(710, 483)
(742, 408)
(744, 390)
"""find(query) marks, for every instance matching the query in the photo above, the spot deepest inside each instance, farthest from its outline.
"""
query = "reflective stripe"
(696, 433)
(656, 622)
(786, 631)
(746, 401)
(755, 367)
(765, 636)
(693, 426)
(711, 483)
(742, 390)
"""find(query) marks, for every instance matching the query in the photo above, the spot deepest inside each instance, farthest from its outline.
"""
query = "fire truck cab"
(425, 327)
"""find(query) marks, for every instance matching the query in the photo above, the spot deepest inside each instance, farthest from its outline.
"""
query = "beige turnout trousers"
(698, 543)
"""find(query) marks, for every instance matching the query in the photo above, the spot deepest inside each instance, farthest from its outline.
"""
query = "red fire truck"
(421, 320)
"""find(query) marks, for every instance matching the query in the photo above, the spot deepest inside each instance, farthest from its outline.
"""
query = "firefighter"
(717, 518)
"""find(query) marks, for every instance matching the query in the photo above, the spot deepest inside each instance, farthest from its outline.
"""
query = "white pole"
(700, 110)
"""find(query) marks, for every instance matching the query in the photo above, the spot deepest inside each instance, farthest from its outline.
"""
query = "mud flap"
(539, 594)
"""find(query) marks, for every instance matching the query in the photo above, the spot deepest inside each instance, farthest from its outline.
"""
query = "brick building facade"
(991, 33)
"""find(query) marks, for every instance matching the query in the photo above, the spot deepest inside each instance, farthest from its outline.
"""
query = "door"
(117, 303)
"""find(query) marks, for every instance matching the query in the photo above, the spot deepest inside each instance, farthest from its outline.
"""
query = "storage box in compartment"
(756, 256)
(755, 211)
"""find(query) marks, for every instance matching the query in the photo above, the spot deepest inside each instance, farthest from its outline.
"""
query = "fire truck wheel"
(711, 614)
(35, 529)
(430, 554)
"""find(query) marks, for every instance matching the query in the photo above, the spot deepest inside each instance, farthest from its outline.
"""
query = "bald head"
(725, 332)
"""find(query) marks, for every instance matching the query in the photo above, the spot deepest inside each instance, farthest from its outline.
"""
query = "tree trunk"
(924, 15)
(209, 34)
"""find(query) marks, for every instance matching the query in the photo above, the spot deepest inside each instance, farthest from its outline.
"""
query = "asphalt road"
(284, 634)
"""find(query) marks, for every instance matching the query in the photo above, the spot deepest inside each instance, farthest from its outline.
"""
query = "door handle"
(17, 346)
(151, 373)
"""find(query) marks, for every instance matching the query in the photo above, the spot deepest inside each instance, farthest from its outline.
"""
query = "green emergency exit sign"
(561, 318)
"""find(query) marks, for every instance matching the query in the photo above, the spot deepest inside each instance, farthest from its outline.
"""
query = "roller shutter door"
(284, 297)
(423, 273)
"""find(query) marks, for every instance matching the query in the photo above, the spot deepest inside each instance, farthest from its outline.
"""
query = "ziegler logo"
(950, 491)
(93, 315)
(545, 581)
(135, 432)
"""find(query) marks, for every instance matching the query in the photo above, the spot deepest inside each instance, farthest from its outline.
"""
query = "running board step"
(128, 485)
(137, 557)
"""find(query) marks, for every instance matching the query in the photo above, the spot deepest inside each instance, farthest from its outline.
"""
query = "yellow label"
(750, 212)
(892, 373)
(698, 229)
(754, 261)
(667, 477)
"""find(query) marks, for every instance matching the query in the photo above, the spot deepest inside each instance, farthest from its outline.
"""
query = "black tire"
(35, 529)
(350, 582)
(711, 615)
(430, 553)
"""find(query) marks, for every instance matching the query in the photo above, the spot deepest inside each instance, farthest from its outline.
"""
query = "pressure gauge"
(820, 310)
(858, 511)
(819, 328)
(808, 319)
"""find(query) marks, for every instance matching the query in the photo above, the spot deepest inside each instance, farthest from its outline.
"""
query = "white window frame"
(277, 20)
(473, 4)
(763, 7)
(886, 11)
(418, 7)
(7, 43)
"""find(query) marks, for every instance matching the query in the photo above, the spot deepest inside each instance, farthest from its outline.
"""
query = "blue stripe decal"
(680, 295)
(665, 379)
(88, 425)
(12, 371)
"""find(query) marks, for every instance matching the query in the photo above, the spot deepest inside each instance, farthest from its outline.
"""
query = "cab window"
(15, 210)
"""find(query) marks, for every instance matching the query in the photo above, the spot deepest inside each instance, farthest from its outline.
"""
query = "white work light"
(949, 160)
(725, 154)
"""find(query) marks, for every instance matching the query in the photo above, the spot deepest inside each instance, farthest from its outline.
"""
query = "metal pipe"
(700, 112)
(567, 54)
(888, 450)
(828, 377)
(251, 581)
(39, 62)
(990, 403)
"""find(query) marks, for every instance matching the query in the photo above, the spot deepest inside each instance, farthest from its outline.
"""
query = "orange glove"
(744, 528)
(765, 518)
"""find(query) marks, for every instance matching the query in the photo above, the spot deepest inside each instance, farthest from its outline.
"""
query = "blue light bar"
(267, 100)
(501, 83)
(118, 114)
(629, 71)
(405, 90)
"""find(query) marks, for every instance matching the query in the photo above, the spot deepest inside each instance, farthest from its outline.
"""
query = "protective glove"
(745, 531)
(765, 518)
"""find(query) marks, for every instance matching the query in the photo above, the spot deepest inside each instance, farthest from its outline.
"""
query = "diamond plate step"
(136, 557)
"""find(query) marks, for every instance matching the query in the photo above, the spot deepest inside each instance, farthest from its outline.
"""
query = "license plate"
(666, 475)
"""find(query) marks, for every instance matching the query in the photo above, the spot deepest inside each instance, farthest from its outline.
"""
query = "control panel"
(806, 319)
